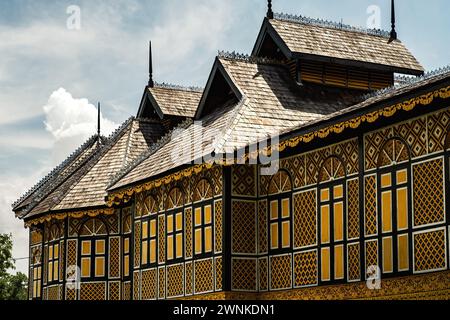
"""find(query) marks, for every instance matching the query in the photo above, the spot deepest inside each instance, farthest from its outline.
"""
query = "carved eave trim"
(73, 214)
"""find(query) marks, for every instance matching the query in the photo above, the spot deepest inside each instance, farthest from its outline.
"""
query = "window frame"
(202, 226)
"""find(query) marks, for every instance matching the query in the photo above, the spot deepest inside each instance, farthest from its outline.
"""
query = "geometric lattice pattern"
(126, 294)
(314, 161)
(114, 257)
(296, 167)
(354, 269)
(429, 251)
(348, 152)
(263, 274)
(215, 176)
(61, 258)
(149, 284)
(370, 205)
(429, 193)
(353, 208)
(305, 225)
(371, 253)
(219, 273)
(53, 293)
(188, 235)
(281, 272)
(136, 285)
(394, 150)
(415, 134)
(71, 294)
(162, 238)
(93, 291)
(372, 146)
(137, 244)
(264, 184)
(244, 181)
(438, 125)
(114, 291)
(188, 276)
(204, 276)
(262, 226)
(243, 274)
(162, 283)
(244, 227)
(175, 283)
(305, 268)
(71, 253)
(218, 226)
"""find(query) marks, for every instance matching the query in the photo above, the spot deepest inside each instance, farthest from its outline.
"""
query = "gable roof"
(171, 100)
(338, 43)
(86, 186)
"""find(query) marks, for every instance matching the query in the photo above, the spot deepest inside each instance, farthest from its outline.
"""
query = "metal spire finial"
(151, 83)
(393, 32)
(269, 9)
(98, 120)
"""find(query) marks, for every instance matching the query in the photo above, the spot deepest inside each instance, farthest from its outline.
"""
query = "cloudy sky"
(51, 75)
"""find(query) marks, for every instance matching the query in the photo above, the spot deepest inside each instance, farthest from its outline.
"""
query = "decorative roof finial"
(269, 10)
(98, 121)
(393, 32)
(151, 84)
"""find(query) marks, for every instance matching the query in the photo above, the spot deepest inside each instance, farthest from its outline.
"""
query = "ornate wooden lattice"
(280, 272)
(244, 274)
(218, 229)
(262, 227)
(392, 152)
(263, 274)
(305, 268)
(149, 284)
(126, 221)
(189, 278)
(354, 268)
(333, 168)
(114, 257)
(372, 145)
(175, 281)
(438, 127)
(126, 291)
(353, 208)
(93, 291)
(150, 205)
(136, 285)
(244, 180)
(53, 293)
(370, 205)
(428, 192)
(280, 183)
(296, 167)
(114, 291)
(244, 227)
(162, 283)
(219, 273)
(371, 256)
(161, 239)
(313, 163)
(137, 244)
(305, 215)
(188, 232)
(202, 191)
(348, 152)
(429, 251)
(415, 134)
(93, 227)
(174, 199)
(35, 237)
(203, 275)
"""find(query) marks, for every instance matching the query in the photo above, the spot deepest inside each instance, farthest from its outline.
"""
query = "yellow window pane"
(386, 180)
(50, 272)
(85, 267)
(56, 251)
(86, 248)
(179, 222)
(402, 208)
(170, 223)
(274, 236)
(39, 272)
(208, 239)
(144, 252)
(325, 224)
(274, 210)
(35, 289)
(100, 247)
(402, 176)
(55, 270)
(50, 252)
(152, 251)
(144, 230)
(126, 245)
(387, 255)
(339, 221)
(403, 253)
(286, 234)
(169, 247)
(179, 240)
(285, 209)
(386, 207)
(198, 216)
(338, 192)
(325, 264)
(126, 266)
(38, 294)
(35, 273)
(153, 228)
(339, 262)
(198, 241)
(208, 215)
(100, 267)
(325, 195)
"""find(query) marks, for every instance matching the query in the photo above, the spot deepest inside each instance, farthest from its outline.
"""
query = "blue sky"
(106, 60)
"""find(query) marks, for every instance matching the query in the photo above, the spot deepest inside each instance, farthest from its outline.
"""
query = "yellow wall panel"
(386, 180)
(285, 210)
(325, 224)
(402, 176)
(402, 209)
(403, 252)
(208, 239)
(286, 234)
(338, 192)
(274, 236)
(386, 208)
(387, 255)
(325, 263)
(339, 221)
(339, 262)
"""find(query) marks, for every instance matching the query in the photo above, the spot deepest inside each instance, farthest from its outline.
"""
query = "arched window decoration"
(36, 272)
(93, 248)
(203, 191)
(203, 218)
(394, 196)
(150, 206)
(280, 212)
(174, 225)
(53, 254)
(332, 226)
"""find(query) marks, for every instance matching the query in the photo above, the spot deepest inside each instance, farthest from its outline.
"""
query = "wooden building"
(361, 188)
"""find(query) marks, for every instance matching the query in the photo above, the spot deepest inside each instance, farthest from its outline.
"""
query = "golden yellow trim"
(76, 214)
(425, 99)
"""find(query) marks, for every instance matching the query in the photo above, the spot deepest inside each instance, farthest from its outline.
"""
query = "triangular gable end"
(270, 45)
(149, 108)
(219, 90)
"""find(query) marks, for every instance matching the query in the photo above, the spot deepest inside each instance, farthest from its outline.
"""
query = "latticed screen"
(149, 241)
(203, 226)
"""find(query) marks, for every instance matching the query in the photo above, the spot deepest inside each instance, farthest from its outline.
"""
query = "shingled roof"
(172, 100)
(311, 38)
(86, 186)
